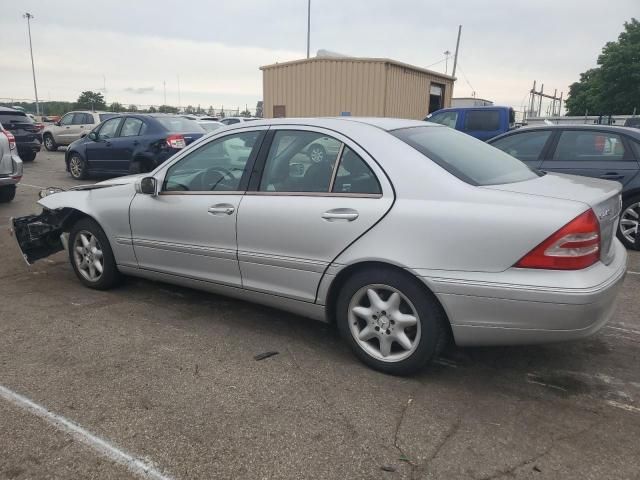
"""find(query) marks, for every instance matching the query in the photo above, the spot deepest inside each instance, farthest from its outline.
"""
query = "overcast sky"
(216, 47)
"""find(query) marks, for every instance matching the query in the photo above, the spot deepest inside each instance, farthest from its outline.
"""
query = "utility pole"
(179, 101)
(164, 84)
(455, 57)
(308, 26)
(447, 54)
(28, 16)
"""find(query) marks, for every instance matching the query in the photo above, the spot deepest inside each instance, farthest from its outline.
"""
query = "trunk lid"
(603, 196)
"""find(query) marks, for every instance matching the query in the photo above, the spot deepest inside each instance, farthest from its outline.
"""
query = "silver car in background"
(10, 166)
(405, 234)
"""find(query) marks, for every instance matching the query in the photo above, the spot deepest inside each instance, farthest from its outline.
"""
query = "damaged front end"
(39, 236)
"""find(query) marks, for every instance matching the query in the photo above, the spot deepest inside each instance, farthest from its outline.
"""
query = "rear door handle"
(221, 209)
(347, 214)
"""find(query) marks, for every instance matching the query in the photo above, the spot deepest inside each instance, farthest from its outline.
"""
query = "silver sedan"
(405, 234)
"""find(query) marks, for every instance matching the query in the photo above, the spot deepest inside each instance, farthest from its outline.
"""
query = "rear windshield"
(106, 116)
(14, 117)
(467, 158)
(179, 125)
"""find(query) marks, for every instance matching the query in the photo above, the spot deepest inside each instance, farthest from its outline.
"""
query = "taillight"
(39, 126)
(176, 141)
(11, 138)
(575, 246)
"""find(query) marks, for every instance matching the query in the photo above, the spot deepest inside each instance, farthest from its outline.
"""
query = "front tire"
(77, 166)
(629, 225)
(50, 143)
(91, 256)
(390, 321)
(7, 193)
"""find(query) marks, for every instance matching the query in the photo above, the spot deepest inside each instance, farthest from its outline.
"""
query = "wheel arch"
(343, 275)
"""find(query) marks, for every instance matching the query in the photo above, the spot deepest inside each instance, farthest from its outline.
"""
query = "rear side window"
(131, 127)
(465, 157)
(525, 146)
(581, 146)
(14, 117)
(482, 121)
(179, 125)
(354, 175)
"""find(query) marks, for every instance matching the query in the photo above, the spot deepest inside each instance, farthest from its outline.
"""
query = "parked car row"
(71, 127)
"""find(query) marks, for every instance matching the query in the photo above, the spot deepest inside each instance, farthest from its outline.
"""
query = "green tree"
(89, 100)
(190, 110)
(167, 109)
(133, 108)
(152, 109)
(116, 107)
(614, 86)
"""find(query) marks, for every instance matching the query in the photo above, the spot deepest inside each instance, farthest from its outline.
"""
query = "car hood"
(126, 180)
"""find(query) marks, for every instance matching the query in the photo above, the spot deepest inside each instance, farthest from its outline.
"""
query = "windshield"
(179, 125)
(467, 158)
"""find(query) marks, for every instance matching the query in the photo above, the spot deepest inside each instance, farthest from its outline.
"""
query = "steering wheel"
(211, 178)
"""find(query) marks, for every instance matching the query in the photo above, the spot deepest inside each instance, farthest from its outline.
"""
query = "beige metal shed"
(332, 86)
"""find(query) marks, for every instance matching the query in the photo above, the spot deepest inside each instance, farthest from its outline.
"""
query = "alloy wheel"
(87, 255)
(384, 323)
(75, 166)
(629, 221)
(48, 142)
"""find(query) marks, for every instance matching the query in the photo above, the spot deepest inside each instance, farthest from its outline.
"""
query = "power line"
(466, 79)
(437, 63)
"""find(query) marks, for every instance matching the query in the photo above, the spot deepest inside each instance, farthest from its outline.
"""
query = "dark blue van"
(480, 122)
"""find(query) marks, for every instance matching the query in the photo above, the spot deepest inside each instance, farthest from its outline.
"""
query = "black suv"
(28, 134)
(130, 143)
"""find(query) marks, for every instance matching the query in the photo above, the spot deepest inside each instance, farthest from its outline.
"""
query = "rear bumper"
(522, 306)
(30, 146)
(14, 177)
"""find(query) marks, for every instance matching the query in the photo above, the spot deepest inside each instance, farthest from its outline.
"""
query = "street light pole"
(308, 26)
(28, 16)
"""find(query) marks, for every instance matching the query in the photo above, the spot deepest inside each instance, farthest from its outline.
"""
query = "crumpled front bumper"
(40, 236)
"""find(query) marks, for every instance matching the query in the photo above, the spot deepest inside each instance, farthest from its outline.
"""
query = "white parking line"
(625, 330)
(632, 272)
(623, 406)
(101, 446)
(32, 186)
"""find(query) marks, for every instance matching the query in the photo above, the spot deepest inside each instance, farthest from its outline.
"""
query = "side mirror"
(57, 124)
(148, 186)
(93, 136)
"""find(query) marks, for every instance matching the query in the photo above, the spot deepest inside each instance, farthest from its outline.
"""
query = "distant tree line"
(613, 87)
(89, 100)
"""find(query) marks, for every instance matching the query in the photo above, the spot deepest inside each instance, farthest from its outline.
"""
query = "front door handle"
(347, 214)
(221, 209)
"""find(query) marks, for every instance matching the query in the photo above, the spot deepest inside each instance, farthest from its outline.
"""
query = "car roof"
(634, 132)
(8, 109)
(383, 123)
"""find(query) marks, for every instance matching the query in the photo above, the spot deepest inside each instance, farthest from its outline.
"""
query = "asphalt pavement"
(166, 377)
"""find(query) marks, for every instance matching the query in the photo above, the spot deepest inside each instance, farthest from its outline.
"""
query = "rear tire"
(7, 193)
(88, 247)
(630, 221)
(414, 325)
(50, 143)
(29, 156)
(77, 166)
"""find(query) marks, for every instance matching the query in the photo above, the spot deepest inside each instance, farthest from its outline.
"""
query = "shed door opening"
(279, 111)
(436, 97)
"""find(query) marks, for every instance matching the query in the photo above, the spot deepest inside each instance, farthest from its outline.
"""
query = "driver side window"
(67, 119)
(218, 166)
